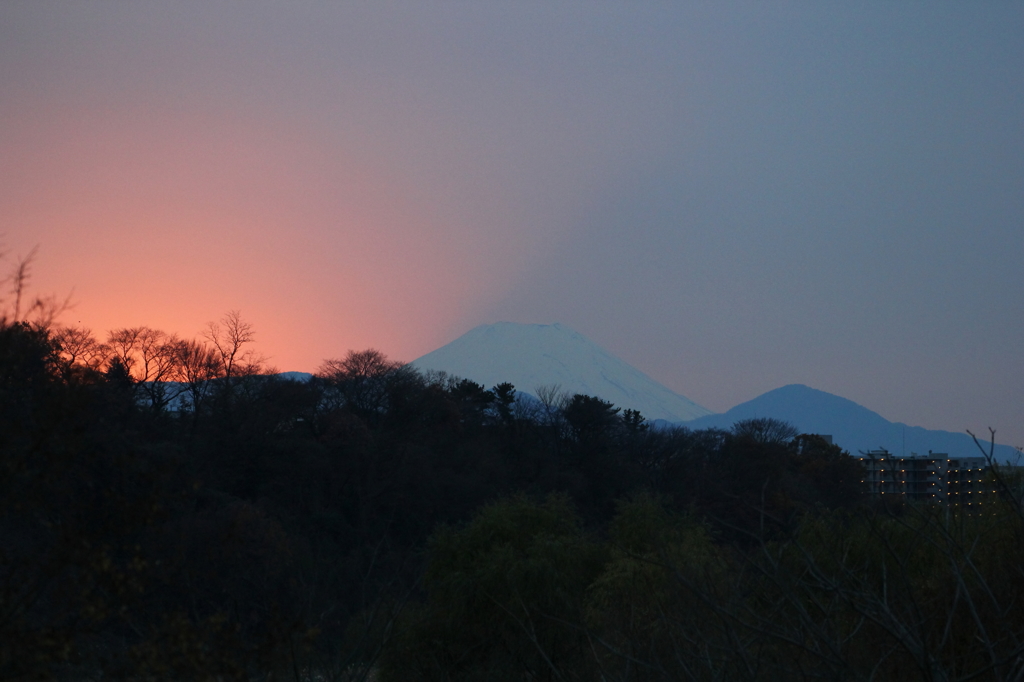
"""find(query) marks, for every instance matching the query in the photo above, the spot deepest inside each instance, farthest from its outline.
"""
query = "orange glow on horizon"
(320, 250)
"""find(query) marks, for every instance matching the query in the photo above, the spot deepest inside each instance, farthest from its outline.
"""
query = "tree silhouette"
(229, 337)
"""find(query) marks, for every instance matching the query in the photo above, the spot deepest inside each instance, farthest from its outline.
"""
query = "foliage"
(170, 509)
(500, 593)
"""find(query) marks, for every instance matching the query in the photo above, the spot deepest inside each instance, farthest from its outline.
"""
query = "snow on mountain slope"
(530, 356)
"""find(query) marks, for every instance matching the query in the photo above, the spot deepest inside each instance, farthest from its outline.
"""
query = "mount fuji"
(531, 356)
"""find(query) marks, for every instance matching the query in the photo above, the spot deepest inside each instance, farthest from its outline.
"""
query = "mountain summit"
(852, 426)
(530, 356)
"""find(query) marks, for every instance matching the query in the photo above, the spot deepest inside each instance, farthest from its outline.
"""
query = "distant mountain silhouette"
(534, 355)
(531, 356)
(852, 426)
(295, 376)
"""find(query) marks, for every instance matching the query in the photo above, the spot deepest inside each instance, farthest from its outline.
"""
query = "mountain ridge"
(531, 356)
(852, 426)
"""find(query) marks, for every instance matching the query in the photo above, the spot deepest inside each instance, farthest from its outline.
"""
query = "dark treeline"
(171, 509)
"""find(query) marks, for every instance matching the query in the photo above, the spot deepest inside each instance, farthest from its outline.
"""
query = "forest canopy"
(171, 508)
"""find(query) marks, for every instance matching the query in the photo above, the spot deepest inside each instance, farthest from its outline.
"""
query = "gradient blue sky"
(729, 196)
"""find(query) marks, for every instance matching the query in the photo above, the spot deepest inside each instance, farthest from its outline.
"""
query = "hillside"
(852, 426)
(531, 356)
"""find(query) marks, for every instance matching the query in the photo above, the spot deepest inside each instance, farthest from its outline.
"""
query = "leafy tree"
(502, 594)
(504, 399)
(645, 607)
(590, 419)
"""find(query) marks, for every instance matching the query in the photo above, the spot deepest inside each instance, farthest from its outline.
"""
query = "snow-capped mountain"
(853, 427)
(531, 356)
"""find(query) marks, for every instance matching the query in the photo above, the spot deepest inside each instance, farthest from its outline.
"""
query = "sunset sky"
(729, 196)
